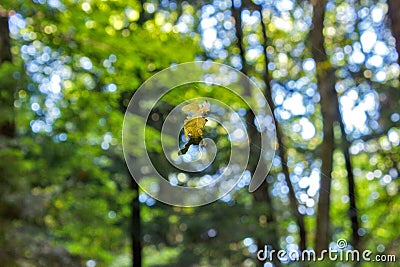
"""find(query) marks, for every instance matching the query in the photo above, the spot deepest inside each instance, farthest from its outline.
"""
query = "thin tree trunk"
(7, 129)
(135, 223)
(330, 113)
(393, 12)
(282, 152)
(136, 227)
(5, 40)
(345, 147)
(326, 83)
(7, 124)
(353, 211)
(237, 16)
(262, 193)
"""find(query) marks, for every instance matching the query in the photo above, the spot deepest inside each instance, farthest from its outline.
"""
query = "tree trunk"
(136, 227)
(7, 125)
(330, 113)
(282, 152)
(262, 193)
(5, 41)
(326, 83)
(135, 223)
(393, 12)
(353, 211)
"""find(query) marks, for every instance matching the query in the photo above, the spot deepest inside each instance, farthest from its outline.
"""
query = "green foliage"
(65, 192)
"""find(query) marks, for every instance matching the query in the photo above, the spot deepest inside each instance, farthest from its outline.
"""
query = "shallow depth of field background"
(68, 69)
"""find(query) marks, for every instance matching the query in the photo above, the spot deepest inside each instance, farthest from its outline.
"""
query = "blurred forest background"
(68, 68)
